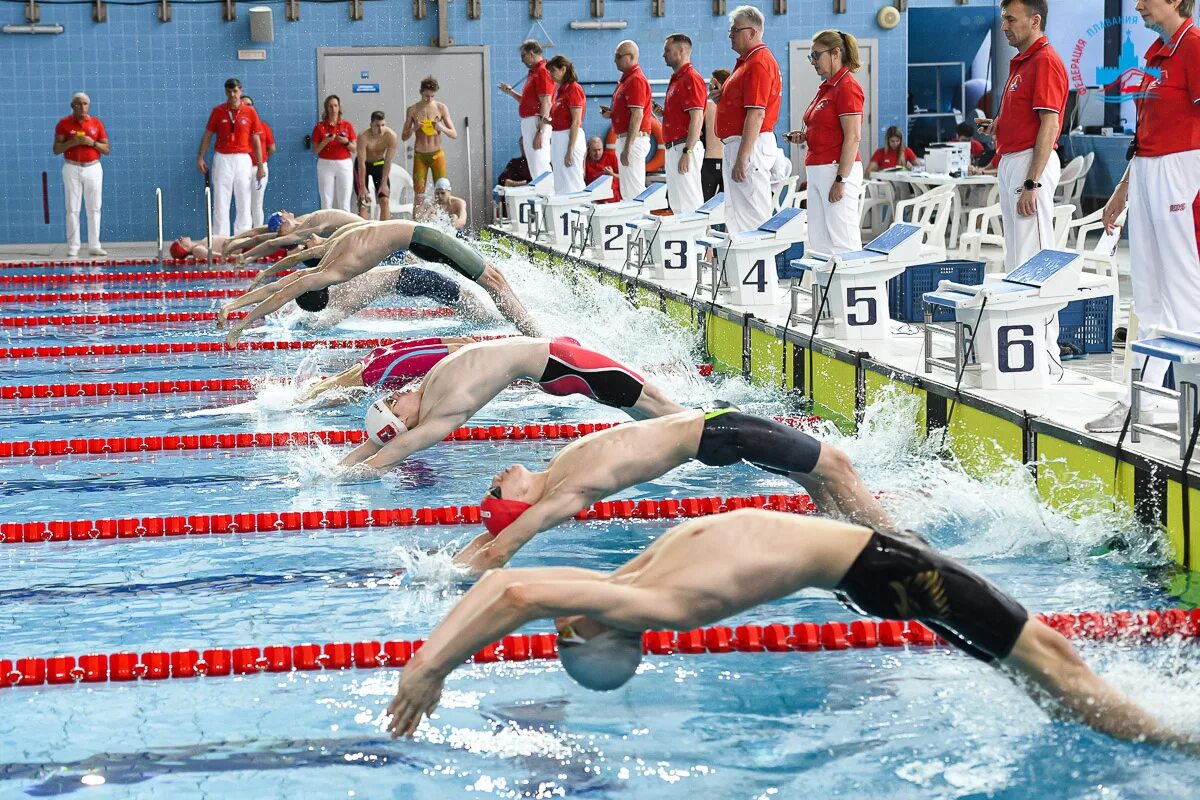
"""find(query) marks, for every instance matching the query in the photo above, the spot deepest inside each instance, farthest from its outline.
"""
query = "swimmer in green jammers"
(354, 250)
(706, 570)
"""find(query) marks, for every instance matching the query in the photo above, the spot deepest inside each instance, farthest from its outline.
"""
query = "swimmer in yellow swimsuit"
(427, 119)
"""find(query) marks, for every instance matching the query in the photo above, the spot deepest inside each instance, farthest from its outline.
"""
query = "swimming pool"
(910, 722)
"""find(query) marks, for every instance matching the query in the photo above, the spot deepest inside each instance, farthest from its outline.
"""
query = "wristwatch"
(687, 151)
(1031, 184)
(839, 179)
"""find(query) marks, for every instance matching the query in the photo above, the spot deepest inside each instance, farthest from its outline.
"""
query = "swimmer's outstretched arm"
(500, 603)
(235, 241)
(422, 437)
(298, 256)
(309, 280)
(255, 296)
(346, 379)
(268, 245)
(492, 552)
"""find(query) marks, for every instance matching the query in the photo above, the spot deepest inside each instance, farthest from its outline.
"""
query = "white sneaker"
(97, 251)
(72, 252)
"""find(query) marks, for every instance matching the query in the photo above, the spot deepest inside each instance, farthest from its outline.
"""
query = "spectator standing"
(237, 162)
(267, 141)
(376, 149)
(335, 144)
(427, 120)
(630, 115)
(711, 180)
(534, 107)
(601, 161)
(566, 126)
(746, 114)
(81, 139)
(682, 126)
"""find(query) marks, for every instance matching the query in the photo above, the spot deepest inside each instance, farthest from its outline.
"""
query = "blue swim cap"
(274, 221)
(604, 662)
(399, 255)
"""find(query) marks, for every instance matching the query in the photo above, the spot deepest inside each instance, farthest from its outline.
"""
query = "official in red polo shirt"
(267, 140)
(566, 123)
(335, 144)
(630, 115)
(534, 107)
(237, 162)
(81, 139)
(602, 161)
(747, 111)
(1031, 113)
(1162, 184)
(682, 126)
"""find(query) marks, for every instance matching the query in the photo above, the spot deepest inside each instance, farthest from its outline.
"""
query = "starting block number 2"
(612, 235)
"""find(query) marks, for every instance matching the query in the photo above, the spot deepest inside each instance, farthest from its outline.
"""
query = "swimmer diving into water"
(522, 504)
(466, 381)
(391, 366)
(285, 229)
(705, 570)
(353, 251)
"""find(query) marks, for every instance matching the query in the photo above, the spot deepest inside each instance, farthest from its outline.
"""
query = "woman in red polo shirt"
(566, 127)
(333, 142)
(833, 130)
(895, 154)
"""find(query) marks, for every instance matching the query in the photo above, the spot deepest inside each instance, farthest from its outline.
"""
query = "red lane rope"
(1144, 626)
(89, 530)
(76, 297)
(139, 277)
(59, 320)
(125, 262)
(174, 348)
(124, 388)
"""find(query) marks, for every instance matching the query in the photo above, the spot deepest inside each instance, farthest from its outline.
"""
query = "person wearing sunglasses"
(832, 132)
(747, 110)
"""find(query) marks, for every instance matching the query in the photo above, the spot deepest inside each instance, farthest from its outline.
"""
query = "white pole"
(208, 214)
(158, 203)
(470, 172)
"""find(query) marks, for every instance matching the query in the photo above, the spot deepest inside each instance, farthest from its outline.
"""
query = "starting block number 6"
(1015, 354)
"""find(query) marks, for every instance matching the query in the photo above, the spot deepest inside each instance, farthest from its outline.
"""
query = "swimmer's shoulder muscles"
(491, 552)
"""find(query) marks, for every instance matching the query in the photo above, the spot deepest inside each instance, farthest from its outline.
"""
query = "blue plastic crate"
(1087, 324)
(906, 290)
(783, 262)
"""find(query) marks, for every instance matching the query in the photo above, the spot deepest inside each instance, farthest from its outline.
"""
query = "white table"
(927, 180)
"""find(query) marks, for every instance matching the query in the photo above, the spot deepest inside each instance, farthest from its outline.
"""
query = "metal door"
(393, 81)
(804, 83)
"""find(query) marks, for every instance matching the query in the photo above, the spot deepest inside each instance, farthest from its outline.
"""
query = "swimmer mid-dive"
(392, 366)
(284, 230)
(522, 504)
(706, 570)
(466, 381)
(355, 250)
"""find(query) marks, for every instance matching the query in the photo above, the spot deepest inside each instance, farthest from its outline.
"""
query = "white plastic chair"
(931, 211)
(1076, 197)
(878, 200)
(1062, 225)
(1066, 181)
(1100, 257)
(985, 228)
(780, 190)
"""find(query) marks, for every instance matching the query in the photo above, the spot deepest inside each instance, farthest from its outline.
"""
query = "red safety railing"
(113, 297)
(127, 666)
(128, 528)
(59, 320)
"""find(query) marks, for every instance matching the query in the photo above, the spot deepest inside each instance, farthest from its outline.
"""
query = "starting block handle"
(1174, 333)
(957, 287)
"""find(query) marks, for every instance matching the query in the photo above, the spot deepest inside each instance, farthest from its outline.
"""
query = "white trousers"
(633, 177)
(259, 194)
(539, 160)
(1163, 219)
(567, 179)
(833, 227)
(335, 182)
(683, 188)
(748, 203)
(1025, 236)
(83, 185)
(232, 179)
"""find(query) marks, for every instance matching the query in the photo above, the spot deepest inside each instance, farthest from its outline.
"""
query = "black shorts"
(417, 282)
(375, 172)
(711, 178)
(899, 576)
(430, 244)
(731, 436)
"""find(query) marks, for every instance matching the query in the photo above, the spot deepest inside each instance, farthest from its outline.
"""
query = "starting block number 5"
(861, 308)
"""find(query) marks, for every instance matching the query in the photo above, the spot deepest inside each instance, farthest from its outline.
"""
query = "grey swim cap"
(602, 663)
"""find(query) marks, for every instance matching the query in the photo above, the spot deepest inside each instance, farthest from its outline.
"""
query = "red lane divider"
(136, 277)
(124, 388)
(194, 316)
(233, 441)
(120, 262)
(173, 348)
(126, 666)
(88, 530)
(77, 297)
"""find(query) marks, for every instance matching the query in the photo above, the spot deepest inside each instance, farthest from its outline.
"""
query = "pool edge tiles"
(839, 382)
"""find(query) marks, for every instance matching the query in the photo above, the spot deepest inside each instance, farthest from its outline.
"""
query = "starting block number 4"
(756, 276)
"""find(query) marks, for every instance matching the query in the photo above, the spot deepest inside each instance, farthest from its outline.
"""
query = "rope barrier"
(59, 320)
(124, 388)
(134, 277)
(126, 528)
(126, 666)
(85, 297)
(176, 348)
(126, 262)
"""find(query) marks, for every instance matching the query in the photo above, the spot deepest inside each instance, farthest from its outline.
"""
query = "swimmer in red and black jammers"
(466, 381)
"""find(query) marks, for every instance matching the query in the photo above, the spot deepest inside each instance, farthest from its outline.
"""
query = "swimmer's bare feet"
(313, 241)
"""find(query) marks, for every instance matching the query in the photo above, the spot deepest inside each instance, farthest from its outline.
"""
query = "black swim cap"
(312, 262)
(314, 301)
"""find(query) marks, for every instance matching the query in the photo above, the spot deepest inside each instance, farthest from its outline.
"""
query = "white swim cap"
(604, 662)
(382, 424)
(442, 183)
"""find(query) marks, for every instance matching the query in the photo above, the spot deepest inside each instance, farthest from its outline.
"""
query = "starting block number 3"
(680, 248)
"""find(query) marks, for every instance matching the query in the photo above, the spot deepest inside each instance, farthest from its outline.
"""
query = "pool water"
(913, 722)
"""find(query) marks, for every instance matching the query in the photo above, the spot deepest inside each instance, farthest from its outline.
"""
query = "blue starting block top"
(775, 223)
(596, 184)
(650, 191)
(1039, 269)
(541, 177)
(947, 299)
(884, 243)
(711, 204)
(1173, 350)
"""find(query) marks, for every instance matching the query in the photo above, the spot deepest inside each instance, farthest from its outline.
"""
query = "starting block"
(515, 197)
(667, 245)
(551, 216)
(744, 263)
(1182, 350)
(602, 227)
(849, 290)
(999, 329)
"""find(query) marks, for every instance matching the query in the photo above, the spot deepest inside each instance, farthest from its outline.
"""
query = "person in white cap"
(445, 204)
(81, 139)
(709, 569)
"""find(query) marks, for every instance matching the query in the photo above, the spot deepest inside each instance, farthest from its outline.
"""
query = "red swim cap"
(567, 340)
(177, 251)
(499, 514)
